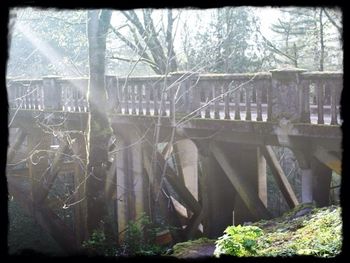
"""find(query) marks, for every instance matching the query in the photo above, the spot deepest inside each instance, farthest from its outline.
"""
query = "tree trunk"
(321, 41)
(99, 129)
(170, 43)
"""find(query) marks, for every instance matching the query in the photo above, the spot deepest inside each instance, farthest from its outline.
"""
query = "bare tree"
(147, 40)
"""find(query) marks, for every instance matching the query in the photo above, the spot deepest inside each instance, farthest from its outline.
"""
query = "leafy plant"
(139, 238)
(98, 244)
(238, 241)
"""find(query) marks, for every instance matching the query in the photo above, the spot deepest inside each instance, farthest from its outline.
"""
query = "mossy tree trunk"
(99, 129)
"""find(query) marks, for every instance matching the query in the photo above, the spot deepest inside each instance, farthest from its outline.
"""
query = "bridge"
(198, 144)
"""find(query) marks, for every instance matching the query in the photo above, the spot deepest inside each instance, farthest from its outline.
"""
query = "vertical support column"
(285, 94)
(52, 93)
(136, 164)
(79, 149)
(262, 177)
(219, 196)
(187, 154)
(315, 178)
(252, 166)
(38, 161)
(306, 186)
(321, 181)
(130, 182)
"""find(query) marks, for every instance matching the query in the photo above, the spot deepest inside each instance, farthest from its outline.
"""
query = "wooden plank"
(279, 175)
(250, 198)
(328, 159)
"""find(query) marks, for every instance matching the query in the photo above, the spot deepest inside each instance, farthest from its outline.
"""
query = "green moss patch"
(303, 231)
(194, 248)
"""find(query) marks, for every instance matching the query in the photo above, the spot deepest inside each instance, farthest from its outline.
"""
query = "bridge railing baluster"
(269, 100)
(309, 96)
(140, 97)
(216, 89)
(126, 89)
(335, 95)
(227, 101)
(163, 97)
(237, 94)
(305, 101)
(133, 102)
(155, 98)
(52, 93)
(320, 101)
(258, 98)
(248, 99)
(148, 88)
(118, 93)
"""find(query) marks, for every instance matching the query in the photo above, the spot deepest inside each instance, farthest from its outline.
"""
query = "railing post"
(285, 91)
(52, 93)
(111, 87)
(188, 95)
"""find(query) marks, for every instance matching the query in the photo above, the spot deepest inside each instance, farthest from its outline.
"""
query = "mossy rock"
(202, 247)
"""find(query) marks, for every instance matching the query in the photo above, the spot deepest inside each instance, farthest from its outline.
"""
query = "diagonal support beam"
(279, 175)
(51, 173)
(45, 217)
(180, 188)
(250, 198)
(17, 142)
(328, 159)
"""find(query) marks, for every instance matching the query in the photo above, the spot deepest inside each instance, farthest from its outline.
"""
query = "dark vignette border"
(77, 4)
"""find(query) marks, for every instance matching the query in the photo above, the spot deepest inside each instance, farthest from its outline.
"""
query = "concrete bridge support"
(315, 178)
(217, 193)
(235, 190)
(129, 183)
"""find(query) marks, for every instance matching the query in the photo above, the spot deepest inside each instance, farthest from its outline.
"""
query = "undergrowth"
(304, 231)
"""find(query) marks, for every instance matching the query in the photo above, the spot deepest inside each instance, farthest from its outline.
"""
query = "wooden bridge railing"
(294, 94)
